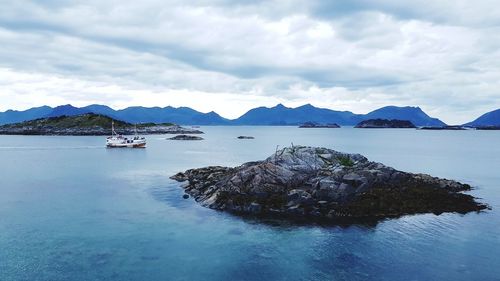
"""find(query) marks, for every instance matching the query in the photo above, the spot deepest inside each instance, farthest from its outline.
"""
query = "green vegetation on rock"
(87, 120)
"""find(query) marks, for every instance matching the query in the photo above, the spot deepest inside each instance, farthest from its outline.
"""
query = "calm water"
(73, 210)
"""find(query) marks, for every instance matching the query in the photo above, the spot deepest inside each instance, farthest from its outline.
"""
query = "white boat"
(116, 140)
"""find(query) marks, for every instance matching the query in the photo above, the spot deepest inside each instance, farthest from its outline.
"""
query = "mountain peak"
(307, 106)
(279, 106)
(410, 113)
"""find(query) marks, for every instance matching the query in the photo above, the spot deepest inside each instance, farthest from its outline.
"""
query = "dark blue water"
(72, 210)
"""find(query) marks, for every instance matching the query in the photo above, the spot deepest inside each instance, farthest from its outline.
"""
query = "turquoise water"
(73, 210)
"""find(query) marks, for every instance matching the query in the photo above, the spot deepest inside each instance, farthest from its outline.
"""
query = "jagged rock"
(185, 137)
(322, 183)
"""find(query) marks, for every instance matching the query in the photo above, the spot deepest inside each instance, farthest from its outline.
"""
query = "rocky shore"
(317, 183)
(384, 123)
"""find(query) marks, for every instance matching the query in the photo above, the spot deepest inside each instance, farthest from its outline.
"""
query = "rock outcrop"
(312, 182)
(185, 137)
(384, 123)
(316, 125)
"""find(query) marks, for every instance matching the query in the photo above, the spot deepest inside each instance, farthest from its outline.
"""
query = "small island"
(185, 137)
(317, 125)
(438, 128)
(385, 123)
(492, 127)
(301, 182)
(89, 124)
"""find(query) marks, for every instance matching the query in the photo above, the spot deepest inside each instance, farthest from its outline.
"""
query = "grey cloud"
(406, 50)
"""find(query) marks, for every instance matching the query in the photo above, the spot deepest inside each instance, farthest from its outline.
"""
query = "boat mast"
(113, 133)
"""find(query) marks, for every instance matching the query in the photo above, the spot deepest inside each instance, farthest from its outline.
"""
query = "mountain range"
(277, 115)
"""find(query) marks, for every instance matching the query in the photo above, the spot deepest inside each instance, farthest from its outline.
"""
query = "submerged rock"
(312, 182)
(185, 137)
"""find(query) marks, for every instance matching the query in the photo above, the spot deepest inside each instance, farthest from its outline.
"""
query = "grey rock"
(319, 182)
(185, 137)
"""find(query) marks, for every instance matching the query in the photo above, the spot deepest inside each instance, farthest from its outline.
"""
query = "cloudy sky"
(230, 56)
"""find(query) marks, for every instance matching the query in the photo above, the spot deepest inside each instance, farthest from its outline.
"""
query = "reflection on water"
(72, 210)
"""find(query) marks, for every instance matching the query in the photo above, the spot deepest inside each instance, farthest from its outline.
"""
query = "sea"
(71, 209)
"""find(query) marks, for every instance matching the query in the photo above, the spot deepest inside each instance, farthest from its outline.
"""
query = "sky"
(230, 56)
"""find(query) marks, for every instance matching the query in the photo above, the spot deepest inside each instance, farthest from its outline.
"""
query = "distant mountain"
(491, 118)
(67, 110)
(282, 115)
(100, 109)
(14, 116)
(412, 114)
(135, 114)
(180, 115)
(277, 115)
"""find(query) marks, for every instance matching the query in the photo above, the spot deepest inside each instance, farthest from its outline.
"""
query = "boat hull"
(127, 145)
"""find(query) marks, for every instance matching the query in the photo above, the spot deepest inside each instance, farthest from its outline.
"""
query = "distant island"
(452, 128)
(385, 123)
(89, 124)
(185, 137)
(488, 128)
(301, 182)
(316, 125)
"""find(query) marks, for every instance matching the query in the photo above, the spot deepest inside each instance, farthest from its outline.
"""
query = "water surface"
(72, 210)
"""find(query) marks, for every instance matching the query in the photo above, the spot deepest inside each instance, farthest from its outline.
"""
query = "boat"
(117, 140)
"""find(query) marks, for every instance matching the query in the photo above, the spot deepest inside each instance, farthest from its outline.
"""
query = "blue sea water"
(71, 209)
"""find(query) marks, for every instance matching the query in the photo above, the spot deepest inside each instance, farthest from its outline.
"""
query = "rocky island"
(452, 128)
(312, 183)
(185, 137)
(487, 128)
(89, 124)
(317, 125)
(384, 123)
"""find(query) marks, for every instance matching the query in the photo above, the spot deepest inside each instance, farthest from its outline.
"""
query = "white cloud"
(229, 56)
